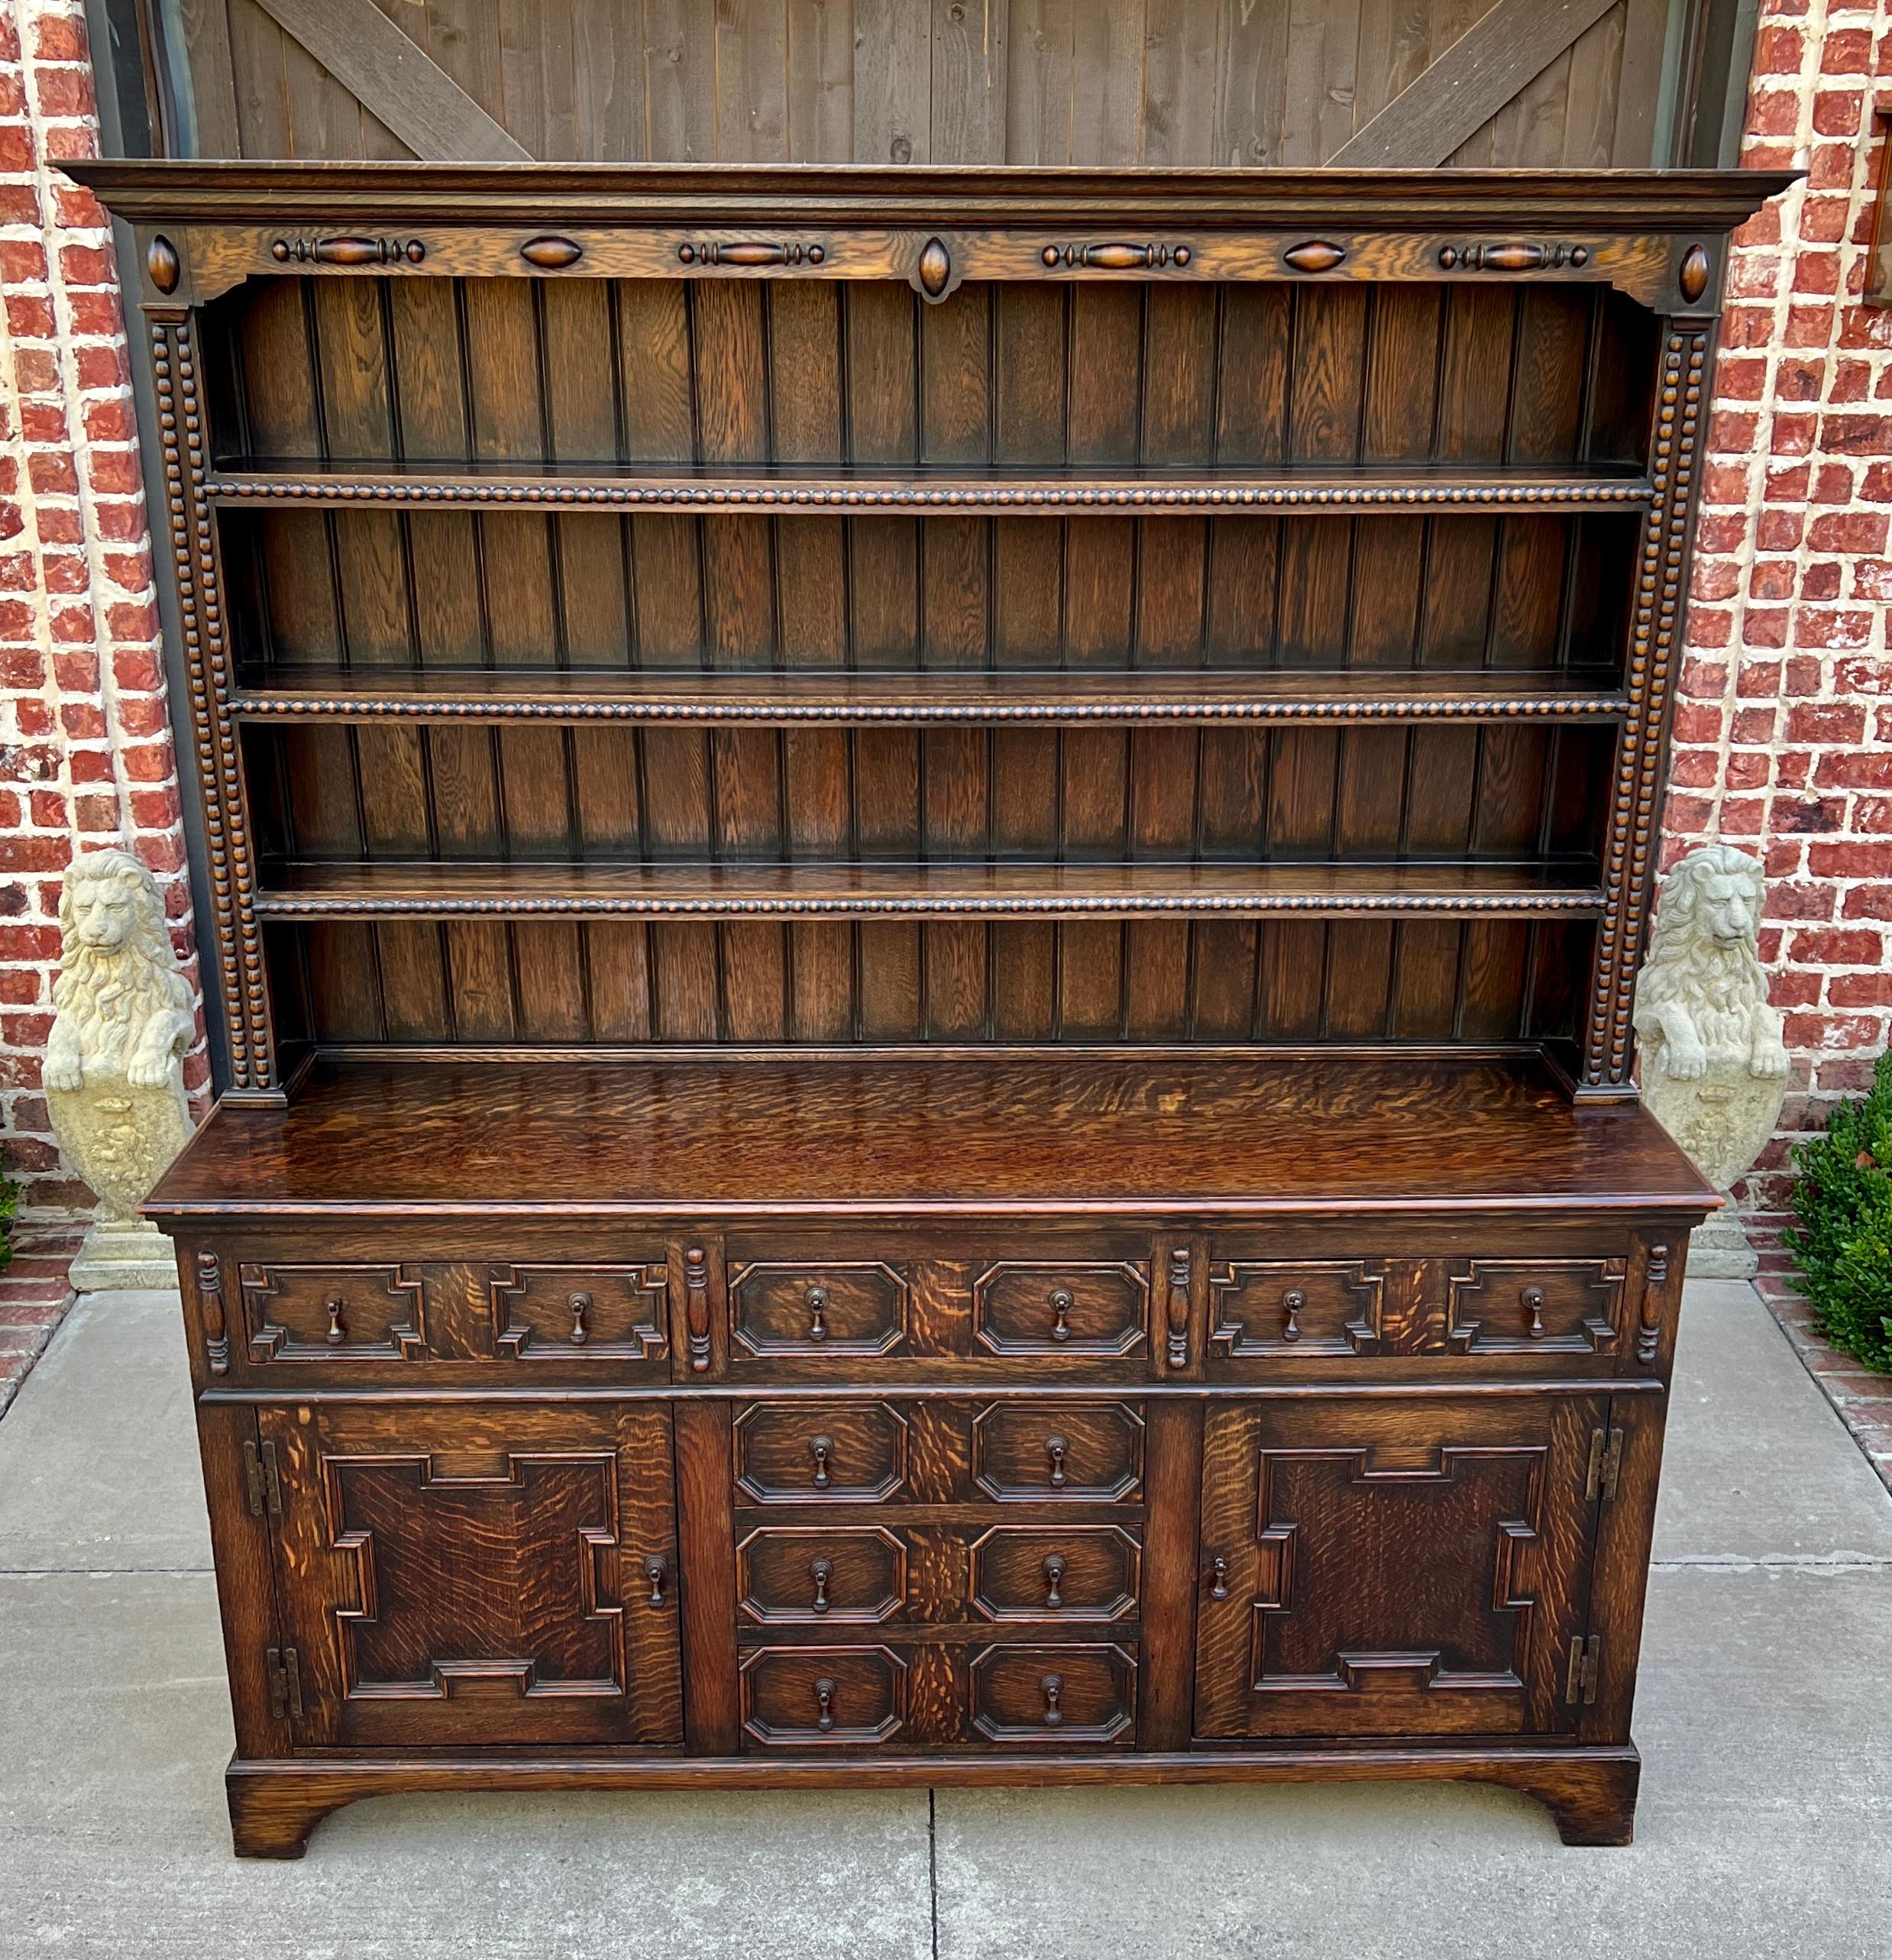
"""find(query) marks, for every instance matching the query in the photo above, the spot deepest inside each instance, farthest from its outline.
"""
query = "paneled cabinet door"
(1394, 1567)
(475, 1576)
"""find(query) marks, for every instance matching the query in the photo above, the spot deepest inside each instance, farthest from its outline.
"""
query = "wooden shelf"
(1307, 487)
(1274, 695)
(435, 890)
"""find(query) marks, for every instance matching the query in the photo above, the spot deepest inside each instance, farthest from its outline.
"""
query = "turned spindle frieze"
(750, 252)
(348, 251)
(1514, 257)
(1115, 257)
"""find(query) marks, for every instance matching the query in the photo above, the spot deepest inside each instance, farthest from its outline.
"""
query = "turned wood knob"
(655, 1569)
(1053, 1687)
(820, 1448)
(1056, 1449)
(1061, 1304)
(1054, 1582)
(581, 1306)
(821, 1571)
(815, 1299)
(824, 1704)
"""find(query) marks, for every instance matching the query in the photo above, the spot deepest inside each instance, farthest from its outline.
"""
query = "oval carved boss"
(550, 253)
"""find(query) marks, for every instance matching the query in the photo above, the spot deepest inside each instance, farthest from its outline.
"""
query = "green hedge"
(9, 1204)
(1843, 1247)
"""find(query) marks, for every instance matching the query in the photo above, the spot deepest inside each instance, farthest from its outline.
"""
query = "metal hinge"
(266, 1485)
(1580, 1687)
(1606, 1464)
(283, 1666)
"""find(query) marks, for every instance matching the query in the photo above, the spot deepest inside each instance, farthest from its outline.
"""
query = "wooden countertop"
(1066, 1134)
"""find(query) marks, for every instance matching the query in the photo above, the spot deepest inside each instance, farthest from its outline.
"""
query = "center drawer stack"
(926, 1569)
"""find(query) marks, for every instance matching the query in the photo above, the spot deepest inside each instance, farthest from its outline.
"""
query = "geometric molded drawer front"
(1568, 1306)
(1060, 1695)
(850, 1453)
(818, 1307)
(1289, 1307)
(845, 1696)
(817, 1575)
(1051, 1307)
(327, 1313)
(1056, 1572)
(1036, 1452)
(577, 1313)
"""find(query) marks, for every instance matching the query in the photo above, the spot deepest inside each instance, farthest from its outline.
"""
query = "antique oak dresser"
(924, 891)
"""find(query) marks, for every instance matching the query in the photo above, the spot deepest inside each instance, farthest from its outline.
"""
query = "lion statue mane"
(122, 1007)
(1702, 997)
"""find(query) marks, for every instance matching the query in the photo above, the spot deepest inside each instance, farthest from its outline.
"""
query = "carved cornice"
(1527, 203)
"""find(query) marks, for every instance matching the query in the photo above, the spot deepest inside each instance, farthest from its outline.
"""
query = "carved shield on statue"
(1722, 1119)
(119, 1136)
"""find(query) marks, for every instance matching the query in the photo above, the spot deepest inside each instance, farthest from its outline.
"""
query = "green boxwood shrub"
(1843, 1246)
(9, 1204)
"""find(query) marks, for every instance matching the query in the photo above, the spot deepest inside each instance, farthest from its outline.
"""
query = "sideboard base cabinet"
(672, 1425)
(924, 890)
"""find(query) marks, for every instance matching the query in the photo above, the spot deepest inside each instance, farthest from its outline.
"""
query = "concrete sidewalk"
(1765, 1717)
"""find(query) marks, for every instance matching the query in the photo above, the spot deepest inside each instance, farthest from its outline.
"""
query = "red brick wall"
(85, 754)
(1783, 729)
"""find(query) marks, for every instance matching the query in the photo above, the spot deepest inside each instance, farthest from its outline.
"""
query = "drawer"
(936, 1570)
(1024, 1306)
(847, 1453)
(562, 1318)
(1049, 1451)
(1056, 1572)
(834, 1697)
(578, 1314)
(1060, 1695)
(1300, 1311)
(339, 1312)
(1535, 1305)
(817, 1307)
(819, 1576)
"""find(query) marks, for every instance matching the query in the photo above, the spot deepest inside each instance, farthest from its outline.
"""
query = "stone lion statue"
(113, 1072)
(1714, 1065)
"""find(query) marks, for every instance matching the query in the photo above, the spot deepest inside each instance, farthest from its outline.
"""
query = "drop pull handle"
(1054, 1582)
(821, 1448)
(1218, 1577)
(581, 1306)
(1293, 1305)
(821, 1571)
(656, 1570)
(824, 1704)
(337, 1332)
(1061, 1304)
(1531, 1299)
(1056, 1450)
(816, 1300)
(1052, 1685)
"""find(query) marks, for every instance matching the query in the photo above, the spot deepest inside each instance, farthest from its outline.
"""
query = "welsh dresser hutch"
(925, 885)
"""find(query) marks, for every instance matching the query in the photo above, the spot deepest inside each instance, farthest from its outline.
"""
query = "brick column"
(85, 752)
(1783, 727)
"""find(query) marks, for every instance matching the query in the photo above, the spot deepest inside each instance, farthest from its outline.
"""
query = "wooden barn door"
(1569, 84)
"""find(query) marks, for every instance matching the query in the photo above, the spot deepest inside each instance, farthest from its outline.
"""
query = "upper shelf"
(1306, 488)
(437, 890)
(1275, 694)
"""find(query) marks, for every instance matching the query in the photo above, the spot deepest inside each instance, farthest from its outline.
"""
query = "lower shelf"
(1590, 1792)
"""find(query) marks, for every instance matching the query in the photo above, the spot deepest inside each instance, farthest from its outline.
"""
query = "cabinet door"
(476, 1576)
(1392, 1567)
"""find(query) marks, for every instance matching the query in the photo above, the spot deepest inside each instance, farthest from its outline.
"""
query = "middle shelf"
(907, 698)
(392, 889)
